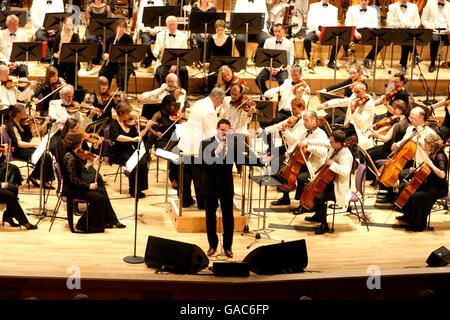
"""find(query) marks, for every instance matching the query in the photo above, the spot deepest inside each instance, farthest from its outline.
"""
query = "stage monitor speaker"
(439, 257)
(175, 256)
(287, 257)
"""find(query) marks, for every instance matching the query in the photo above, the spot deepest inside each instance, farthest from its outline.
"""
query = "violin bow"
(114, 94)
(7, 163)
(235, 109)
(167, 130)
(100, 160)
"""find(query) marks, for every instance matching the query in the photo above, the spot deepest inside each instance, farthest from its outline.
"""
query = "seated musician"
(7, 38)
(436, 15)
(65, 69)
(316, 142)
(398, 92)
(14, 175)
(435, 186)
(147, 34)
(404, 15)
(10, 96)
(172, 38)
(359, 116)
(125, 137)
(96, 9)
(21, 136)
(198, 40)
(171, 86)
(292, 130)
(100, 213)
(251, 6)
(52, 81)
(226, 78)
(279, 42)
(112, 70)
(444, 129)
(339, 189)
(320, 14)
(363, 16)
(290, 89)
(37, 13)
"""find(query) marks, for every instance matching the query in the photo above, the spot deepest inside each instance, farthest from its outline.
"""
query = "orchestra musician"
(435, 186)
(201, 125)
(359, 116)
(444, 129)
(226, 78)
(251, 6)
(100, 213)
(339, 189)
(102, 99)
(52, 81)
(8, 36)
(202, 6)
(436, 15)
(125, 138)
(172, 38)
(37, 13)
(147, 34)
(292, 130)
(14, 175)
(170, 87)
(21, 136)
(404, 15)
(10, 96)
(65, 69)
(320, 14)
(398, 92)
(112, 70)
(96, 9)
(279, 42)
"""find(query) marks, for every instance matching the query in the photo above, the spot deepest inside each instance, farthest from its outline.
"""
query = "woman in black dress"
(8, 195)
(199, 39)
(65, 69)
(14, 175)
(125, 140)
(52, 81)
(21, 135)
(100, 213)
(434, 187)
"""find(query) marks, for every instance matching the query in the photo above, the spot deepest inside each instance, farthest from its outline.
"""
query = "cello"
(322, 179)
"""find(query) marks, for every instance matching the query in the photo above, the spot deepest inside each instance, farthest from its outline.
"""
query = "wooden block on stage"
(194, 220)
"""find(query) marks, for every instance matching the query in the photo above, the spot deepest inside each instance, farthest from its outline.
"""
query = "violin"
(291, 122)
(360, 102)
(234, 79)
(38, 120)
(86, 155)
(132, 121)
(321, 180)
(107, 95)
(16, 82)
(82, 107)
(244, 103)
(177, 115)
(352, 85)
(389, 121)
(298, 85)
(57, 84)
(388, 96)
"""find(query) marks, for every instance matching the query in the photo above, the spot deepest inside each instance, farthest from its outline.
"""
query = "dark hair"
(401, 105)
(167, 100)
(70, 124)
(237, 84)
(16, 109)
(338, 135)
(51, 71)
(223, 121)
(72, 140)
(401, 76)
(277, 25)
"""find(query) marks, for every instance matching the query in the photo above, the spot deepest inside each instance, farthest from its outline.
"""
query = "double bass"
(322, 179)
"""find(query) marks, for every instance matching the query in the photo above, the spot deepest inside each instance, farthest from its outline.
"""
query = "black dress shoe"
(30, 226)
(188, 203)
(331, 65)
(298, 211)
(33, 181)
(367, 64)
(211, 251)
(418, 58)
(323, 228)
(281, 202)
(313, 218)
(431, 69)
(9, 220)
(120, 225)
(402, 218)
(404, 69)
(229, 253)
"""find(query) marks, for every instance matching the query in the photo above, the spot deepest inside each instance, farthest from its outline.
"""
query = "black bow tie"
(12, 34)
(441, 4)
(363, 10)
(294, 83)
(172, 35)
(278, 41)
(403, 6)
(325, 4)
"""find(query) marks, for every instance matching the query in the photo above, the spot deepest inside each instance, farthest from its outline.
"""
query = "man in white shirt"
(38, 10)
(10, 96)
(147, 34)
(251, 6)
(281, 43)
(404, 15)
(169, 87)
(170, 39)
(320, 14)
(363, 16)
(436, 15)
(7, 37)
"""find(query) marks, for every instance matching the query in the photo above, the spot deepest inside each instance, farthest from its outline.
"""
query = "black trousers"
(406, 50)
(226, 204)
(320, 202)
(302, 181)
(193, 173)
(264, 75)
(41, 35)
(14, 175)
(147, 41)
(13, 208)
(26, 153)
(115, 70)
(91, 38)
(66, 70)
(240, 41)
(21, 71)
(444, 132)
(162, 72)
(434, 46)
(312, 37)
(142, 168)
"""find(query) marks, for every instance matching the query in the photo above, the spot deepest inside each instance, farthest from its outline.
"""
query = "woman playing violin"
(355, 74)
(101, 98)
(226, 79)
(126, 139)
(21, 135)
(100, 213)
(420, 203)
(14, 175)
(52, 81)
(398, 92)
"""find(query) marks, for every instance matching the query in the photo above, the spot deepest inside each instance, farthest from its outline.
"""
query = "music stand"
(180, 57)
(126, 53)
(152, 16)
(203, 22)
(414, 37)
(103, 27)
(248, 23)
(336, 36)
(77, 52)
(26, 51)
(21, 14)
(236, 64)
(383, 37)
(52, 21)
(96, 126)
(271, 58)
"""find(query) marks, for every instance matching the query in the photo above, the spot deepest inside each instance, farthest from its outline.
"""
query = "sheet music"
(39, 151)
(167, 155)
(133, 161)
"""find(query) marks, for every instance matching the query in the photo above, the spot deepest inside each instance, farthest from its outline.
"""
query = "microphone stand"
(425, 86)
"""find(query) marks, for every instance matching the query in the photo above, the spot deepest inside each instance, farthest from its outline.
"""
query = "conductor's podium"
(194, 220)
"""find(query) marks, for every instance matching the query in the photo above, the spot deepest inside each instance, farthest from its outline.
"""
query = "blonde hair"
(434, 141)
(123, 108)
(220, 82)
(298, 102)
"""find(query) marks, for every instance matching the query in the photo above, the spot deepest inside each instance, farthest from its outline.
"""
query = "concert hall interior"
(124, 126)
